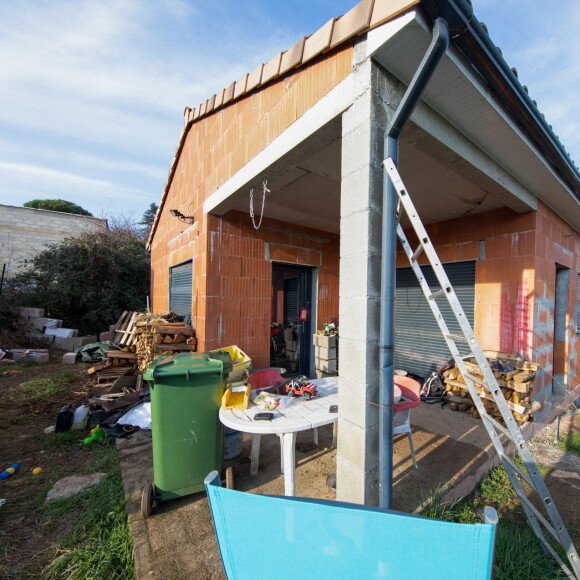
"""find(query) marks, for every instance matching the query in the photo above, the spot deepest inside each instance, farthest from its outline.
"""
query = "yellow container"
(240, 363)
(236, 397)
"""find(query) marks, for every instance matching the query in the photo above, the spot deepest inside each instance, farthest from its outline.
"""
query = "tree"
(57, 205)
(87, 281)
(148, 219)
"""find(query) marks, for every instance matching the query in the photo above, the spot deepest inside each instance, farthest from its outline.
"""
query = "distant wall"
(26, 231)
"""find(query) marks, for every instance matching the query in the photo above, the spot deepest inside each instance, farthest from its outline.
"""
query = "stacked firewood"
(161, 338)
(515, 377)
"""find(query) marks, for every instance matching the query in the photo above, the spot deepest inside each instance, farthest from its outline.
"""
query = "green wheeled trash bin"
(188, 438)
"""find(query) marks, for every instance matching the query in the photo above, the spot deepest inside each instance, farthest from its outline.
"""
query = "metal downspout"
(436, 50)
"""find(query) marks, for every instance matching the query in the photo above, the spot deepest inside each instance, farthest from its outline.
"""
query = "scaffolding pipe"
(436, 50)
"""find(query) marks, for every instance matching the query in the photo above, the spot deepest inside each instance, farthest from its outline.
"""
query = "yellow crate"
(240, 362)
(236, 397)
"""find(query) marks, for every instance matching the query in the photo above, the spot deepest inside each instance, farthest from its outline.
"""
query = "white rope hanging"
(264, 190)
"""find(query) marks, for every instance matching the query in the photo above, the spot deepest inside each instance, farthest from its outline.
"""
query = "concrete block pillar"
(363, 129)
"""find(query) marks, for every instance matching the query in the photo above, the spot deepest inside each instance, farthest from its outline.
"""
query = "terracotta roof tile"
(271, 69)
(209, 105)
(219, 99)
(292, 57)
(255, 78)
(318, 42)
(352, 22)
(384, 10)
(365, 15)
(241, 86)
(229, 93)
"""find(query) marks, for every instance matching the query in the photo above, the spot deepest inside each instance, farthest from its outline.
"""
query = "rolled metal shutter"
(180, 290)
(419, 345)
(291, 294)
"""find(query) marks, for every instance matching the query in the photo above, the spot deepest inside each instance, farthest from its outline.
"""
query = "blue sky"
(93, 92)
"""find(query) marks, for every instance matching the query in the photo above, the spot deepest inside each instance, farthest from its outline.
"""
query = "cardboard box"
(325, 353)
(289, 334)
(291, 345)
(325, 341)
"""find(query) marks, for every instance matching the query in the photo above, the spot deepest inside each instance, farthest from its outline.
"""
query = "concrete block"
(37, 356)
(359, 318)
(62, 332)
(352, 400)
(41, 323)
(362, 363)
(364, 275)
(327, 366)
(352, 438)
(32, 312)
(70, 358)
(360, 233)
(324, 341)
(323, 375)
(323, 353)
(73, 343)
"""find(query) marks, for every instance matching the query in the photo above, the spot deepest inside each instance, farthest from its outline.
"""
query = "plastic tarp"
(93, 351)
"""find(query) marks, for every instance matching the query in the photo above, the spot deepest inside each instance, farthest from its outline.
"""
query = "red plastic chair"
(264, 378)
(410, 397)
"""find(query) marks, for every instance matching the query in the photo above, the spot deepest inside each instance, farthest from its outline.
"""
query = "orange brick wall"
(239, 281)
(515, 283)
(556, 244)
(215, 148)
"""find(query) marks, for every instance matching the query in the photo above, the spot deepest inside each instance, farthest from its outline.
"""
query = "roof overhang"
(476, 142)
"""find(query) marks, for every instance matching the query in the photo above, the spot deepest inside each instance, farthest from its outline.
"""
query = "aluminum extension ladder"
(513, 434)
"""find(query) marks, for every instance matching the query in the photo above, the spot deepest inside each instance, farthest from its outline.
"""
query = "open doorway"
(291, 326)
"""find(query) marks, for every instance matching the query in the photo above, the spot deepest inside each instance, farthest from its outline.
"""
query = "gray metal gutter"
(476, 46)
(436, 50)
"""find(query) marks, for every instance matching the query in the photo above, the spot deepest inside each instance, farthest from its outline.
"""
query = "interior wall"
(515, 288)
(237, 307)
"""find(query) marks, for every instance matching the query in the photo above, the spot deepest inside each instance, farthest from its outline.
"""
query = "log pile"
(515, 377)
(161, 338)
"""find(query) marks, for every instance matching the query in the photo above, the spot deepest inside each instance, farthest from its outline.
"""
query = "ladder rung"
(417, 253)
(456, 337)
(478, 380)
(437, 294)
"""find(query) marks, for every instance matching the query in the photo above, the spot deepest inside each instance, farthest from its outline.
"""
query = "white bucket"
(232, 444)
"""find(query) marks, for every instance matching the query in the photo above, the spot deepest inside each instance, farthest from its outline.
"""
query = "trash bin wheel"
(147, 499)
(230, 477)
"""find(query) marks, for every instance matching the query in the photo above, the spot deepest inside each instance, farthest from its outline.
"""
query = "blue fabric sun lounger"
(265, 537)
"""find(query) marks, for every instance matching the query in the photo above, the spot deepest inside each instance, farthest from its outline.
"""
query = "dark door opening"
(291, 326)
(559, 372)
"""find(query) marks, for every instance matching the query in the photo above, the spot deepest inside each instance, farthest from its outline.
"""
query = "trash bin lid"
(182, 364)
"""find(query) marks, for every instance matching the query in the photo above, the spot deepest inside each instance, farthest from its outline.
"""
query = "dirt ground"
(27, 536)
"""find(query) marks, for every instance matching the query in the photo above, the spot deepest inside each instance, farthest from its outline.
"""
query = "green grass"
(100, 545)
(570, 443)
(518, 551)
(45, 387)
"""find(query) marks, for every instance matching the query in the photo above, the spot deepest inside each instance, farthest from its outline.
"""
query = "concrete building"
(301, 140)
(25, 231)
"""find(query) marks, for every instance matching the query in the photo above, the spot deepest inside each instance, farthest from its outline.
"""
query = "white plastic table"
(294, 414)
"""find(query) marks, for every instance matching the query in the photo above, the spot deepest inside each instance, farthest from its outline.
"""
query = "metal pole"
(436, 50)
